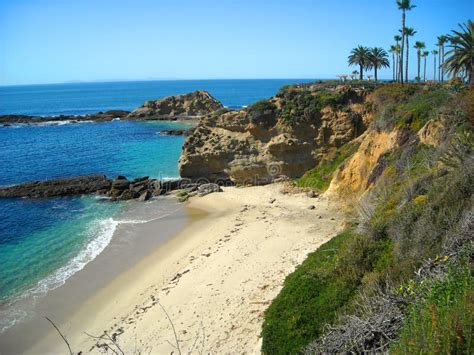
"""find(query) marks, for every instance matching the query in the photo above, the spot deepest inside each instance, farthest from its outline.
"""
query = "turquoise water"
(45, 241)
(39, 236)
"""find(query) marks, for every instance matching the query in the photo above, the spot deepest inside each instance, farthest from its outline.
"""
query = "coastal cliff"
(285, 135)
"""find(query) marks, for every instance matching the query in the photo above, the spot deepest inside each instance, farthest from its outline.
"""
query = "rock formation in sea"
(118, 189)
(285, 135)
(180, 107)
(192, 105)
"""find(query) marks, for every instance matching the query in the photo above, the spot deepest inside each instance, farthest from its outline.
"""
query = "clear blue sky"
(46, 41)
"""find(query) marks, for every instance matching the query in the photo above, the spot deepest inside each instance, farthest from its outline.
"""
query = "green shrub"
(442, 321)
(318, 289)
(420, 108)
(263, 113)
(309, 299)
(320, 177)
(304, 105)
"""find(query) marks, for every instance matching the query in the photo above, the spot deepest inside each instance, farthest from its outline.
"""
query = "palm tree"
(425, 55)
(397, 39)
(360, 56)
(435, 53)
(404, 6)
(409, 32)
(419, 46)
(393, 50)
(441, 42)
(354, 74)
(461, 55)
(378, 59)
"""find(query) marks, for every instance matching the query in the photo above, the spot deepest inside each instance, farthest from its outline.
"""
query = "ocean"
(43, 242)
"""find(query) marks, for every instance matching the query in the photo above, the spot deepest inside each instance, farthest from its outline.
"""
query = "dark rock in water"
(171, 185)
(120, 188)
(128, 195)
(175, 132)
(58, 187)
(145, 195)
(120, 183)
(97, 117)
(140, 179)
(207, 189)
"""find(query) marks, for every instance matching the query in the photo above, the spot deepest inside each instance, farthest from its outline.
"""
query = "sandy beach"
(214, 279)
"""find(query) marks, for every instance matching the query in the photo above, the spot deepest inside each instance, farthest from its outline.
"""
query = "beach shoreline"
(126, 247)
(214, 278)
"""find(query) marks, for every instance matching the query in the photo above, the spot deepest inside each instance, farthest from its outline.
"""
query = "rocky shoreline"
(118, 189)
(189, 106)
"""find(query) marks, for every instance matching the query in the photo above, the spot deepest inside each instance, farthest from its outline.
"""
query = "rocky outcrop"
(58, 187)
(286, 135)
(192, 105)
(117, 189)
(187, 106)
(176, 132)
(97, 117)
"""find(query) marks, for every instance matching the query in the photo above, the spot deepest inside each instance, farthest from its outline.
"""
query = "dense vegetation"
(300, 105)
(411, 243)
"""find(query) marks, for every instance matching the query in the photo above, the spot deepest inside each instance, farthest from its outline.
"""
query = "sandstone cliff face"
(192, 105)
(286, 135)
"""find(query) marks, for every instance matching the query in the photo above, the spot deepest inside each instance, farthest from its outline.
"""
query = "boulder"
(128, 195)
(207, 189)
(145, 195)
(120, 183)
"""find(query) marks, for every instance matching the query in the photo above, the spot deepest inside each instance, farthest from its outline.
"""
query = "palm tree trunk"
(406, 64)
(434, 68)
(393, 66)
(398, 66)
(441, 63)
(419, 65)
(361, 74)
(401, 51)
(375, 72)
(424, 68)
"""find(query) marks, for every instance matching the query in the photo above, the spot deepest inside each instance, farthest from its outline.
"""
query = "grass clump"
(408, 105)
(320, 177)
(441, 322)
(421, 108)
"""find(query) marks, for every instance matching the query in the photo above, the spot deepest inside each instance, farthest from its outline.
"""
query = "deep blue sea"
(45, 241)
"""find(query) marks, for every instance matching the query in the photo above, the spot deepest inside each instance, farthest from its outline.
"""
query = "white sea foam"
(101, 234)
(103, 230)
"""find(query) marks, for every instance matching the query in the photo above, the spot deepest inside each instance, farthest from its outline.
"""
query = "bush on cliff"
(441, 322)
(263, 113)
(305, 105)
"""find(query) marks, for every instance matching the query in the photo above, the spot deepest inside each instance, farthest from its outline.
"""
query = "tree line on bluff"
(458, 61)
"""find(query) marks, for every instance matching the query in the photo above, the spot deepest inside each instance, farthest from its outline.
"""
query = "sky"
(54, 41)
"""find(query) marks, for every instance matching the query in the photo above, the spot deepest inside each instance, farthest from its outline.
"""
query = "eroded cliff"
(285, 135)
